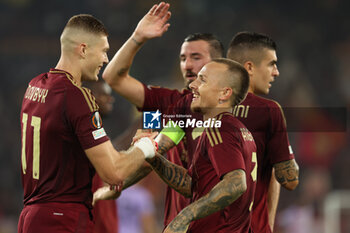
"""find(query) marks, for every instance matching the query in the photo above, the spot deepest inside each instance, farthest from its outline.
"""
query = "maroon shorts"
(55, 218)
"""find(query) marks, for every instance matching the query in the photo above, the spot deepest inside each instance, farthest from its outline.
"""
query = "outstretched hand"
(107, 193)
(140, 133)
(153, 24)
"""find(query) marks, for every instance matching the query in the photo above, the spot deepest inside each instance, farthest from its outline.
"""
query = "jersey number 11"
(35, 123)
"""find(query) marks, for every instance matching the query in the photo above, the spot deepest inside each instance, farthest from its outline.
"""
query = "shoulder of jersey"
(265, 101)
(228, 119)
(85, 92)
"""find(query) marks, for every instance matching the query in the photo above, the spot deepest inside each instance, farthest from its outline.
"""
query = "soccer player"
(265, 119)
(222, 175)
(63, 140)
(196, 50)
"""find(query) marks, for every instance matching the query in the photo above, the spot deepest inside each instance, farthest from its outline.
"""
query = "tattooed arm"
(105, 193)
(232, 186)
(175, 176)
(164, 144)
(287, 174)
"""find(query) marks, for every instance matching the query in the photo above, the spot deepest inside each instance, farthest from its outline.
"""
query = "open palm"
(154, 23)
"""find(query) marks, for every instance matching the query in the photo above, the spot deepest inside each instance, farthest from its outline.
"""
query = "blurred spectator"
(305, 216)
(136, 211)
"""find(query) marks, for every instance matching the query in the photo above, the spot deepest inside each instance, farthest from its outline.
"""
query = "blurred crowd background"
(313, 39)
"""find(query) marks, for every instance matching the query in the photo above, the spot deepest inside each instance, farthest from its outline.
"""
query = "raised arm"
(232, 186)
(287, 174)
(116, 74)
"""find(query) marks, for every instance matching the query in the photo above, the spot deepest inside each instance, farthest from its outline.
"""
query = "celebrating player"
(264, 118)
(196, 50)
(63, 140)
(222, 175)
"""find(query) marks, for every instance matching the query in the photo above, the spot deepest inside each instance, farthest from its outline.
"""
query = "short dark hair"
(215, 45)
(244, 45)
(87, 23)
(239, 79)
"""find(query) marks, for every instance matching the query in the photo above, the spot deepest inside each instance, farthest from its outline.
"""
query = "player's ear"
(226, 94)
(82, 50)
(249, 66)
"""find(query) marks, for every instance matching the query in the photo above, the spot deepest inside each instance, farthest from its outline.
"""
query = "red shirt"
(265, 120)
(105, 211)
(219, 151)
(162, 98)
(59, 120)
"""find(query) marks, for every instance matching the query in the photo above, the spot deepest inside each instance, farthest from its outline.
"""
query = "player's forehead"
(101, 41)
(195, 47)
(212, 70)
(269, 55)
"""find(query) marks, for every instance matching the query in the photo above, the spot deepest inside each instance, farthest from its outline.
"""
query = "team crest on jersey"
(96, 120)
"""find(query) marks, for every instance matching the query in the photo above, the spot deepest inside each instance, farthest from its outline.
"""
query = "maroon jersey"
(264, 118)
(59, 121)
(220, 151)
(161, 98)
(105, 211)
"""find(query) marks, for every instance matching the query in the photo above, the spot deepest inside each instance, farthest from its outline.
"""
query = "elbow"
(243, 188)
(107, 76)
(291, 185)
(113, 179)
(114, 78)
(287, 174)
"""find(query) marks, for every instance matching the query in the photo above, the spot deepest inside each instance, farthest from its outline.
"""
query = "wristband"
(174, 132)
(156, 145)
(146, 145)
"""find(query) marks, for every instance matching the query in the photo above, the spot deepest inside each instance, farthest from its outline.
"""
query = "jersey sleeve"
(84, 118)
(159, 98)
(225, 149)
(278, 146)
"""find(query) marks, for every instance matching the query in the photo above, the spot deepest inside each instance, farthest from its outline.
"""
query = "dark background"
(313, 40)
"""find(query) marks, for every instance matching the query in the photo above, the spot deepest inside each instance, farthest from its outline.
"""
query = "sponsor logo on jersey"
(99, 133)
(96, 120)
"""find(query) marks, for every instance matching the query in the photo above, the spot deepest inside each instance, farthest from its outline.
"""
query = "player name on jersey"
(36, 94)
(247, 136)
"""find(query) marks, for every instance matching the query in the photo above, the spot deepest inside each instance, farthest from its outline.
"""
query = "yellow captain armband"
(173, 131)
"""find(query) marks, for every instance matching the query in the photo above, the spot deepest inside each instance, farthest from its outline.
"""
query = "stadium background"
(313, 40)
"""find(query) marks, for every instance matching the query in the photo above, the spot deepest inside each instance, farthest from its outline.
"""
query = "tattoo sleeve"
(287, 174)
(164, 144)
(223, 194)
(175, 176)
(136, 177)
